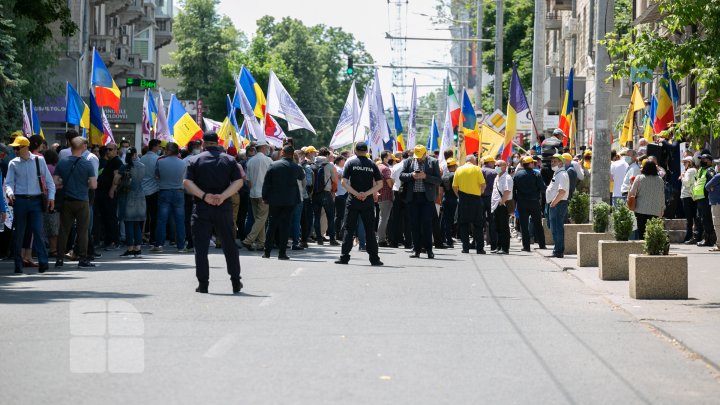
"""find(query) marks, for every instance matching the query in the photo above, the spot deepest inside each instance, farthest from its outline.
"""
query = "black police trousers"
(530, 210)
(204, 219)
(367, 216)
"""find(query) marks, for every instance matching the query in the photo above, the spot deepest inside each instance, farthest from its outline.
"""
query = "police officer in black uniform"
(361, 179)
(212, 178)
(528, 188)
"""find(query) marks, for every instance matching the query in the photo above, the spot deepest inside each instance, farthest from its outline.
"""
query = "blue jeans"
(28, 213)
(557, 226)
(133, 233)
(171, 200)
(296, 216)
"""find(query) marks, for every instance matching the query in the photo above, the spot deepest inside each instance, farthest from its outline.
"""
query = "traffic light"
(455, 136)
(350, 69)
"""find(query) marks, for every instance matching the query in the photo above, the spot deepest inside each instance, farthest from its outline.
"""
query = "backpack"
(319, 182)
(308, 178)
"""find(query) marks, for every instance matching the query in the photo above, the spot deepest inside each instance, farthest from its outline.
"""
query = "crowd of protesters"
(78, 202)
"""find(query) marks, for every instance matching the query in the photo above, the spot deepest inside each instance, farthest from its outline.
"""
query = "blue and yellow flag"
(76, 111)
(183, 128)
(434, 136)
(398, 127)
(253, 92)
(36, 127)
(152, 107)
(96, 123)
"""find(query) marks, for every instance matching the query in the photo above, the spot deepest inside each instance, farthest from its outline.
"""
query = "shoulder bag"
(43, 186)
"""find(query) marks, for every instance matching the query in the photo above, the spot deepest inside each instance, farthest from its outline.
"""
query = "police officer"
(361, 179)
(212, 178)
(528, 187)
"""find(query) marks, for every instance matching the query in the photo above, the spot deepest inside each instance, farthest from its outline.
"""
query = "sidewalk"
(693, 324)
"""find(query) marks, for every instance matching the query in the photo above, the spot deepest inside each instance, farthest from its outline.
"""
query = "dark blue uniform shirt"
(212, 170)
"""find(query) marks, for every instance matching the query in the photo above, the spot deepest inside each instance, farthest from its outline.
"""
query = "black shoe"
(343, 260)
(203, 289)
(95, 254)
(266, 255)
(283, 257)
(128, 253)
(362, 249)
(502, 252)
(248, 246)
(43, 268)
(690, 241)
(59, 263)
(559, 256)
(18, 270)
(705, 243)
(431, 255)
(297, 247)
(334, 242)
(466, 251)
(383, 244)
(394, 245)
(304, 245)
(376, 263)
(320, 242)
(481, 252)
(85, 264)
(441, 246)
(526, 250)
(237, 285)
(543, 247)
(415, 255)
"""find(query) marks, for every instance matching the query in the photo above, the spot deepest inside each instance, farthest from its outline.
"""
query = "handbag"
(631, 201)
(43, 186)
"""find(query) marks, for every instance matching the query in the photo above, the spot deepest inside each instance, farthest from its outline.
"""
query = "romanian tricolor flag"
(96, 123)
(471, 129)
(650, 120)
(667, 95)
(183, 128)
(398, 127)
(76, 111)
(107, 93)
(253, 92)
(567, 109)
(516, 103)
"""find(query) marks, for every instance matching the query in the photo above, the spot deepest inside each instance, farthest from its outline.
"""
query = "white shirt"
(688, 182)
(340, 189)
(579, 170)
(560, 181)
(632, 171)
(502, 184)
(618, 169)
(395, 172)
(257, 167)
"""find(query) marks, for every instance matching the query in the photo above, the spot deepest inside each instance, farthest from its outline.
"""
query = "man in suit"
(280, 191)
(421, 178)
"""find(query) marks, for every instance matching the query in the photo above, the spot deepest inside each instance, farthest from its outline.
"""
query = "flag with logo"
(280, 104)
(349, 117)
(27, 125)
(447, 137)
(183, 128)
(107, 137)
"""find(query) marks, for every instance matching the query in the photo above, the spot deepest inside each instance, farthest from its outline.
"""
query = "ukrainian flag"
(96, 123)
(36, 128)
(76, 111)
(434, 136)
(398, 127)
(107, 92)
(253, 92)
(182, 127)
(152, 107)
(650, 120)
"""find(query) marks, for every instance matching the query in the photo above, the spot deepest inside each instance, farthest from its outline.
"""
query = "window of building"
(141, 45)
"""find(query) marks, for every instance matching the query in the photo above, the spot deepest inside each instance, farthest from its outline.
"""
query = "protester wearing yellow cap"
(557, 196)
(420, 177)
(449, 203)
(572, 172)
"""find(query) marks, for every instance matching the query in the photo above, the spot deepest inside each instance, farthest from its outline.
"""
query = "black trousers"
(449, 206)
(642, 220)
(530, 210)
(502, 226)
(690, 209)
(206, 218)
(470, 220)
(279, 221)
(488, 218)
(306, 220)
(705, 214)
(421, 214)
(340, 203)
(151, 202)
(188, 215)
(398, 227)
(366, 213)
(242, 214)
(108, 214)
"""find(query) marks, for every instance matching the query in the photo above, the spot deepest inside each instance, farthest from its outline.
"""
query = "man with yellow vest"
(469, 184)
(700, 195)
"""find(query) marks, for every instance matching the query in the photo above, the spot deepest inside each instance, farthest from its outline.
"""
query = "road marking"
(222, 346)
(268, 300)
(297, 272)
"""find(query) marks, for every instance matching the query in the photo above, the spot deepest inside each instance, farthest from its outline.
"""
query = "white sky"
(368, 21)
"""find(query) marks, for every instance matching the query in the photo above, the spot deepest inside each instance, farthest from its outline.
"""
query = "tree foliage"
(688, 40)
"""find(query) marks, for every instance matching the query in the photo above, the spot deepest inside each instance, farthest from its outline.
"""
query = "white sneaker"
(157, 249)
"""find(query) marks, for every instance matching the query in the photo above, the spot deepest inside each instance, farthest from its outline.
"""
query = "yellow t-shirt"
(468, 179)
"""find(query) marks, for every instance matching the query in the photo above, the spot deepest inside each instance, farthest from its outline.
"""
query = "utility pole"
(538, 76)
(601, 143)
(499, 31)
(478, 57)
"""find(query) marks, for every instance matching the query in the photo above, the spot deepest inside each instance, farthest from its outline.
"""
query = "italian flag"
(454, 107)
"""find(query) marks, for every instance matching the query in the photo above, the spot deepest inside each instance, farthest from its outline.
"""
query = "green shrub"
(622, 219)
(657, 241)
(601, 217)
(579, 208)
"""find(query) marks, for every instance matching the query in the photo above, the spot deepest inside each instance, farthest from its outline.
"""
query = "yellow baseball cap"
(451, 162)
(419, 151)
(567, 156)
(20, 142)
(310, 149)
(587, 152)
(527, 159)
(558, 156)
(489, 159)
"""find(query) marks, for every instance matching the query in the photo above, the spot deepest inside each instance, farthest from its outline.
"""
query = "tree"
(688, 40)
(206, 42)
(10, 80)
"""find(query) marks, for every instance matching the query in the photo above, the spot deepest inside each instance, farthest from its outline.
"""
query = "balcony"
(163, 33)
(113, 7)
(560, 5)
(553, 21)
(132, 13)
(104, 44)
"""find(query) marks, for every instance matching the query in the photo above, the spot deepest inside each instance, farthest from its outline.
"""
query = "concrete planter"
(587, 247)
(613, 258)
(659, 277)
(571, 231)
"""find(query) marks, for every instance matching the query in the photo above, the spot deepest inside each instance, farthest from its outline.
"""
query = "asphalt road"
(459, 329)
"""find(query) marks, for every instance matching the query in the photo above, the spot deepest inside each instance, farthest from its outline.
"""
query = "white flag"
(378, 124)
(256, 130)
(211, 125)
(280, 104)
(349, 117)
(447, 136)
(162, 128)
(412, 126)
(274, 134)
(107, 132)
(363, 125)
(27, 126)
(145, 126)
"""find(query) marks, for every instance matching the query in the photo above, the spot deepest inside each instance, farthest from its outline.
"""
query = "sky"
(368, 21)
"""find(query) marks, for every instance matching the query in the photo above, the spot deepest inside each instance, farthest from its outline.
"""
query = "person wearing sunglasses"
(28, 178)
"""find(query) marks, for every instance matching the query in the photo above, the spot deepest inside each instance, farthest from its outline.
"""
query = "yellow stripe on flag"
(185, 129)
